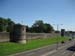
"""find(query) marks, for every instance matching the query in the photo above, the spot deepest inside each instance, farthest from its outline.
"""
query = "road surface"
(63, 50)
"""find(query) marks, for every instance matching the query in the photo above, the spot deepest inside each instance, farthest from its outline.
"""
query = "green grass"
(7, 48)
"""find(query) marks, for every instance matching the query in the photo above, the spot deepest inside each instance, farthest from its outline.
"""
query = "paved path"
(50, 50)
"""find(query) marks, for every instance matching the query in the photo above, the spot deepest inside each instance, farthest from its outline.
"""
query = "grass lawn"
(7, 48)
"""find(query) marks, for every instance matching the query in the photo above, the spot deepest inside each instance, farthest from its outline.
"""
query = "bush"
(70, 39)
(62, 42)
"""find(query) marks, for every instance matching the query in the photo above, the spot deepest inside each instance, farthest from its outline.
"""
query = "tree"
(3, 23)
(6, 24)
(48, 28)
(10, 25)
(41, 27)
(27, 29)
(37, 26)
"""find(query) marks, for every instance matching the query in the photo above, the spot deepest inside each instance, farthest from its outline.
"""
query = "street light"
(57, 26)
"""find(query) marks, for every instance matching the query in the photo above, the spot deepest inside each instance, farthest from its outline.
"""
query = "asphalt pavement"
(51, 50)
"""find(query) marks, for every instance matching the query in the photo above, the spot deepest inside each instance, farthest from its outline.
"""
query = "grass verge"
(7, 48)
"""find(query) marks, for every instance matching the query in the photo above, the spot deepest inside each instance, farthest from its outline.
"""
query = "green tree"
(10, 25)
(37, 26)
(6, 24)
(28, 29)
(3, 23)
(48, 28)
(40, 27)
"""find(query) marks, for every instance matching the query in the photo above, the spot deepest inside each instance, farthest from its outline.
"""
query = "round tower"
(18, 34)
(22, 34)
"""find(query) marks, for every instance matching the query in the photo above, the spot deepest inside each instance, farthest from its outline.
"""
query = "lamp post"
(57, 28)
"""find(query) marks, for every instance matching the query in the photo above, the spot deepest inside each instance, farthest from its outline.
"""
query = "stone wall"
(4, 36)
(39, 35)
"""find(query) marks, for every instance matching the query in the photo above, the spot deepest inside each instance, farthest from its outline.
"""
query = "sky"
(54, 12)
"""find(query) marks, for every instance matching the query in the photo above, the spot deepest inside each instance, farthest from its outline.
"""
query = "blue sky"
(50, 11)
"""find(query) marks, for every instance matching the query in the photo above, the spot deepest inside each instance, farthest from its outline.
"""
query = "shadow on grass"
(72, 48)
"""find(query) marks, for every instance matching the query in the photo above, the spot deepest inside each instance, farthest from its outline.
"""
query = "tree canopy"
(6, 24)
(40, 27)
